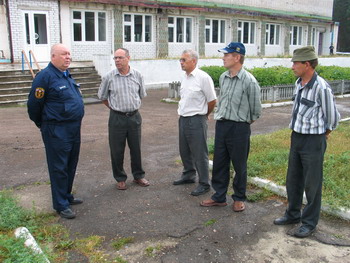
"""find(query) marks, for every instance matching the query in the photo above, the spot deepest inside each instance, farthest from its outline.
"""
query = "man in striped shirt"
(122, 90)
(239, 106)
(314, 116)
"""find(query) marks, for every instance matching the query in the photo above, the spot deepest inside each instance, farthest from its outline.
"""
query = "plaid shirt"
(123, 92)
(314, 110)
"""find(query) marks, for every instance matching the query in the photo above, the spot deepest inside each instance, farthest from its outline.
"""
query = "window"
(313, 36)
(296, 35)
(137, 28)
(89, 26)
(215, 31)
(246, 32)
(272, 34)
(179, 29)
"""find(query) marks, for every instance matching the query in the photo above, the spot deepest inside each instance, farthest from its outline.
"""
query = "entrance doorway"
(36, 34)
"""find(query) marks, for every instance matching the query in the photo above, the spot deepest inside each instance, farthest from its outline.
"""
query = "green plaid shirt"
(239, 98)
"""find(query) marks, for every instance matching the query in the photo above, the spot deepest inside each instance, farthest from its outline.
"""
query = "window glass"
(89, 26)
(148, 28)
(215, 28)
(102, 26)
(76, 15)
(179, 29)
(127, 33)
(188, 30)
(222, 32)
(138, 28)
(77, 32)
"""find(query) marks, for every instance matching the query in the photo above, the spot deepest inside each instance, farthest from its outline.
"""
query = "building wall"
(16, 9)
(4, 43)
(82, 51)
(318, 7)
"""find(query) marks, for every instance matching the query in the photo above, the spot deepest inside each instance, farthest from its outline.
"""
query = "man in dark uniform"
(56, 107)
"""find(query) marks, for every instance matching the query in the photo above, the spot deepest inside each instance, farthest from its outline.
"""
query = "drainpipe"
(9, 29)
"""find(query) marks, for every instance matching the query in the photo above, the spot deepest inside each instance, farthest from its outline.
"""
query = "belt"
(127, 114)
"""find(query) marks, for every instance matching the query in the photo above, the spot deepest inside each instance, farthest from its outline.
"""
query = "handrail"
(24, 57)
(35, 61)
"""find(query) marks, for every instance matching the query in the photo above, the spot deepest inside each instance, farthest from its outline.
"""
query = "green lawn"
(268, 159)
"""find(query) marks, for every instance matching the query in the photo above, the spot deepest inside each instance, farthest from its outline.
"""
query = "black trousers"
(232, 144)
(124, 129)
(305, 173)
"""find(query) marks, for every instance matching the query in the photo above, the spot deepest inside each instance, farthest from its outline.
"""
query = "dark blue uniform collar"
(58, 72)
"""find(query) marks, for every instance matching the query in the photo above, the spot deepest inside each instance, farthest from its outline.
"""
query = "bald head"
(60, 56)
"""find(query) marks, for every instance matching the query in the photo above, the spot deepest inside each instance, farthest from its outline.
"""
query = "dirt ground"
(162, 215)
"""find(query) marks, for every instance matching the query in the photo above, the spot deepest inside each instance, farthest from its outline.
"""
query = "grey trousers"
(305, 173)
(193, 148)
(124, 129)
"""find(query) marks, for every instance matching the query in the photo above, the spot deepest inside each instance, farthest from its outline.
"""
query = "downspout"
(59, 19)
(9, 29)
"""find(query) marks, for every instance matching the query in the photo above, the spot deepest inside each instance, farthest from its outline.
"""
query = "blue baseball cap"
(234, 47)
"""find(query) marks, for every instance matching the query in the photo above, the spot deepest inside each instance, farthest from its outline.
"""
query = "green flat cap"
(304, 54)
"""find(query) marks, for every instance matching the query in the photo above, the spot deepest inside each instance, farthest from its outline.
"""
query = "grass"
(152, 251)
(121, 242)
(210, 222)
(268, 159)
(53, 238)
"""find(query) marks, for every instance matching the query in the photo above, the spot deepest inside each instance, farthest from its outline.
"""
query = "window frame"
(209, 31)
(186, 29)
(241, 32)
(299, 35)
(146, 35)
(97, 33)
(276, 31)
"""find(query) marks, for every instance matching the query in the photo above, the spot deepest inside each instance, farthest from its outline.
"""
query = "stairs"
(15, 84)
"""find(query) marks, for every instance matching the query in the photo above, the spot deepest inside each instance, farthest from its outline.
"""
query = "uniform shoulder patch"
(39, 93)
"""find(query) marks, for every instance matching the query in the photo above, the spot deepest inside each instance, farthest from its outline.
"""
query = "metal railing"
(29, 62)
(276, 93)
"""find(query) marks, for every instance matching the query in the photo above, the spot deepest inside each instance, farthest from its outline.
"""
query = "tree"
(341, 14)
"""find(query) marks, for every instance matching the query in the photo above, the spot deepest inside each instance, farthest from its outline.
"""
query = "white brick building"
(164, 28)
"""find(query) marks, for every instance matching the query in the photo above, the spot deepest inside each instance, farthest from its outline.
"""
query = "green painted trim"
(211, 5)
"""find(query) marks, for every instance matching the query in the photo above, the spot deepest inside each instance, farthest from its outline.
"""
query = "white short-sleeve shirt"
(197, 89)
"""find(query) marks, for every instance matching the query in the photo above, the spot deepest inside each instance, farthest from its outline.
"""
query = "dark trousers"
(305, 172)
(193, 148)
(62, 145)
(124, 129)
(232, 144)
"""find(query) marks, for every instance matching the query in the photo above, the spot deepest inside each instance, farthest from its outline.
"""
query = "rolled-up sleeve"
(329, 109)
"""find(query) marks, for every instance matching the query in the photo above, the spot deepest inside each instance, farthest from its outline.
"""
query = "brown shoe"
(238, 206)
(211, 202)
(121, 185)
(141, 182)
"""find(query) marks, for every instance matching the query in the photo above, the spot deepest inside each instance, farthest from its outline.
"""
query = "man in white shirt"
(197, 101)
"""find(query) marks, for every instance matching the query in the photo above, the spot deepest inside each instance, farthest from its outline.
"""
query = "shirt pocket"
(307, 108)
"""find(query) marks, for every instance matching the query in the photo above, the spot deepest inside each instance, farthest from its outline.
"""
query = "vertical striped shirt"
(123, 92)
(239, 98)
(315, 110)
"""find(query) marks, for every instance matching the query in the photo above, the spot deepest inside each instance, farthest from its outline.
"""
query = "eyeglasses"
(115, 58)
(182, 60)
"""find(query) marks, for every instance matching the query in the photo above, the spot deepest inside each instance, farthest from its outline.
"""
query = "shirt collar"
(131, 71)
(239, 74)
(310, 84)
(193, 73)
(58, 72)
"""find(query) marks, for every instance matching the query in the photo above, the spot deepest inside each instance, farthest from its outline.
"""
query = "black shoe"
(68, 214)
(76, 201)
(304, 231)
(200, 190)
(285, 221)
(182, 181)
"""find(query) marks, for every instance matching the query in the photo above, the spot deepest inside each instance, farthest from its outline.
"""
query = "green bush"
(279, 75)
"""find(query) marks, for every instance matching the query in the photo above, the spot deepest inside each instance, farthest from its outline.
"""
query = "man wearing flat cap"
(239, 106)
(314, 116)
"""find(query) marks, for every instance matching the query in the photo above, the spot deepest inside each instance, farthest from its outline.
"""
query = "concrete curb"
(23, 232)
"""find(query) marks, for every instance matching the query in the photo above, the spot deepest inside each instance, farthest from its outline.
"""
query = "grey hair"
(125, 50)
(193, 54)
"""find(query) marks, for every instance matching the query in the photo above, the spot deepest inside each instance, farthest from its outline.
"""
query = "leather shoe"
(304, 231)
(141, 182)
(121, 185)
(200, 190)
(211, 202)
(76, 201)
(238, 206)
(286, 221)
(182, 181)
(67, 213)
